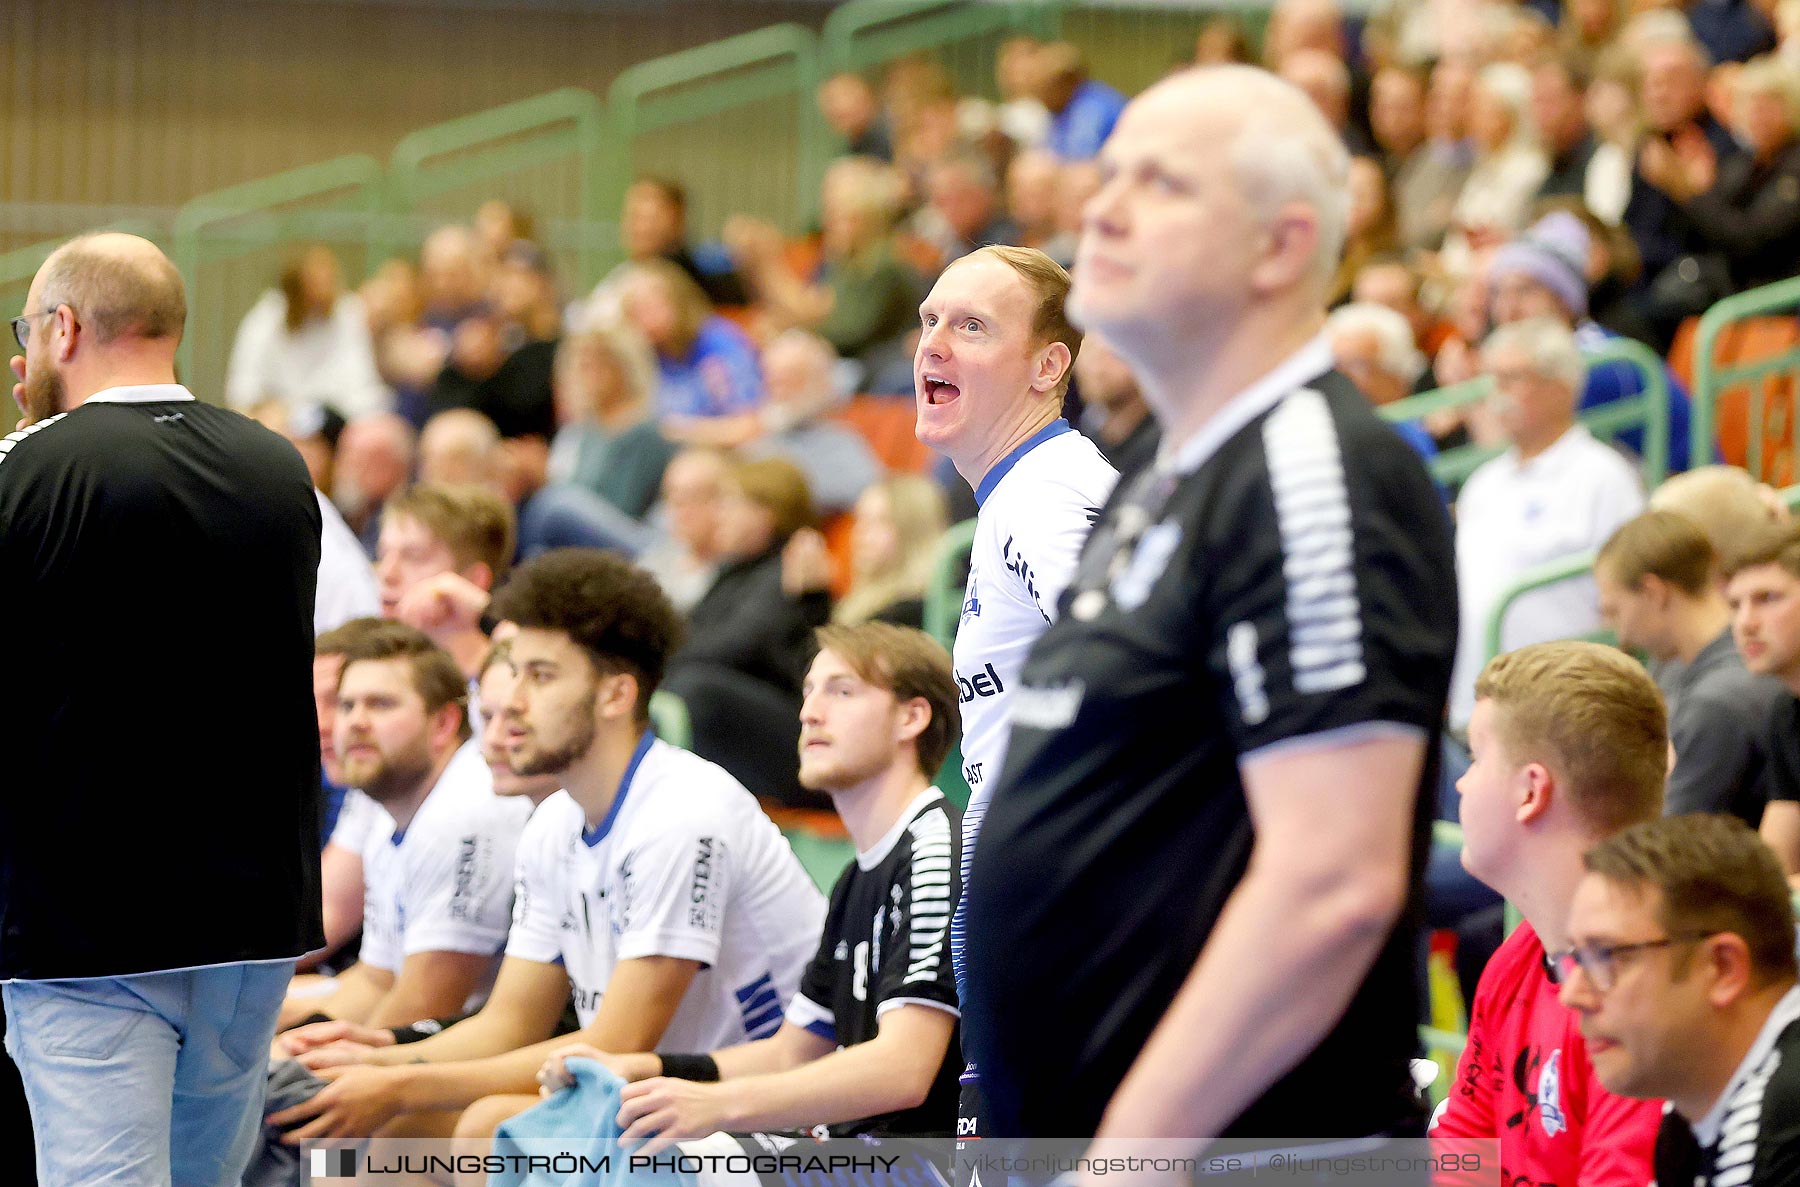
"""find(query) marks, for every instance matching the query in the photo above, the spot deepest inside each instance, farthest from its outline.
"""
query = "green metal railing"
(1569, 568)
(228, 245)
(1711, 380)
(1648, 410)
(944, 596)
(548, 153)
(736, 120)
(864, 34)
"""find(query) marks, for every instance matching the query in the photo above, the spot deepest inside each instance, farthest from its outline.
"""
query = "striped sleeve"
(916, 964)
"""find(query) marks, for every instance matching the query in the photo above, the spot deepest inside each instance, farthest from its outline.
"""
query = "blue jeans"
(149, 1079)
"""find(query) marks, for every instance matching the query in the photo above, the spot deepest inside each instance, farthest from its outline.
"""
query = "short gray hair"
(1547, 343)
(1285, 152)
(1400, 354)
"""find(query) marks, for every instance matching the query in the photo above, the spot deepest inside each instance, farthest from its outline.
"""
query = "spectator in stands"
(1541, 274)
(1373, 231)
(1589, 27)
(501, 355)
(604, 466)
(653, 226)
(1077, 182)
(1681, 966)
(686, 558)
(1221, 40)
(1763, 586)
(1731, 30)
(1433, 174)
(1582, 165)
(864, 299)
(305, 345)
(438, 867)
(408, 355)
(374, 461)
(1746, 208)
(452, 279)
(1115, 416)
(1032, 180)
(739, 669)
(1554, 493)
(707, 942)
(706, 366)
(850, 107)
(432, 530)
(1660, 593)
(1022, 115)
(964, 209)
(802, 374)
(1397, 116)
(868, 1043)
(1296, 25)
(1568, 745)
(459, 446)
(1373, 346)
(1082, 110)
(893, 551)
(1682, 137)
(1326, 80)
(499, 225)
(1394, 283)
(1496, 199)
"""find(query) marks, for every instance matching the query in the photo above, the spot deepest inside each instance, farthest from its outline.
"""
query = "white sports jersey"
(1037, 504)
(684, 865)
(444, 885)
(357, 817)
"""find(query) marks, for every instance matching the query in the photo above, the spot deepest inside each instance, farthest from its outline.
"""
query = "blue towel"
(582, 1120)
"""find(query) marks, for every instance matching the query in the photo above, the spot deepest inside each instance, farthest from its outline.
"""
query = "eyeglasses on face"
(1600, 962)
(21, 325)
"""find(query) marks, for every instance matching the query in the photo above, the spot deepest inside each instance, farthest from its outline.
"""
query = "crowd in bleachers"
(1528, 183)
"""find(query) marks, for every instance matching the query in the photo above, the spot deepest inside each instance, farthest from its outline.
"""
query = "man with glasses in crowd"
(1681, 967)
(1568, 744)
(144, 958)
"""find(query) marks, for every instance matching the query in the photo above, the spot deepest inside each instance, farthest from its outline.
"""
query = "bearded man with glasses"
(1682, 970)
(1569, 745)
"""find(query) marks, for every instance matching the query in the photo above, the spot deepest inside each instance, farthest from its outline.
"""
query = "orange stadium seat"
(886, 423)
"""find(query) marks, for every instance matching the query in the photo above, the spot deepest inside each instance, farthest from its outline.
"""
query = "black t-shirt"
(1781, 747)
(1759, 1125)
(158, 559)
(886, 944)
(1299, 583)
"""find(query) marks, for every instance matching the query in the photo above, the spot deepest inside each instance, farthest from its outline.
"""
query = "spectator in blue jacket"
(706, 365)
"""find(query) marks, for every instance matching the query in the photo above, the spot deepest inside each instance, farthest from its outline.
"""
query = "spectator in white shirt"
(1554, 493)
(305, 345)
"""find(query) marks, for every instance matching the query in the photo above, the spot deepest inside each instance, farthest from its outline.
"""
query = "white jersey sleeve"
(357, 818)
(346, 586)
(458, 892)
(539, 875)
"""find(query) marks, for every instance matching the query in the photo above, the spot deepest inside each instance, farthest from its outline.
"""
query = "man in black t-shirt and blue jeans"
(159, 865)
(1193, 910)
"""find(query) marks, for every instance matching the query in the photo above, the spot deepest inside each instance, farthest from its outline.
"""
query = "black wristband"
(690, 1067)
(424, 1028)
(486, 623)
(308, 1021)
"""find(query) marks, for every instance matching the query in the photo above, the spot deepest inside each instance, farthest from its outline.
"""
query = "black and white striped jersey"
(1285, 578)
(886, 944)
(1751, 1138)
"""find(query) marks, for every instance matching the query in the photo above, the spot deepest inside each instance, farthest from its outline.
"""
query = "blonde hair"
(1049, 283)
(1769, 75)
(1593, 715)
(1666, 545)
(920, 516)
(692, 307)
(778, 487)
(1722, 500)
(474, 523)
(623, 345)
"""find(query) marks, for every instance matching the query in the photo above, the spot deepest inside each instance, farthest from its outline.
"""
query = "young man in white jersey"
(653, 886)
(867, 1047)
(437, 866)
(995, 351)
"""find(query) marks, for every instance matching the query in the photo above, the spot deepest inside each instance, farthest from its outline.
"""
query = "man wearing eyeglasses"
(1681, 968)
(147, 537)
(1568, 744)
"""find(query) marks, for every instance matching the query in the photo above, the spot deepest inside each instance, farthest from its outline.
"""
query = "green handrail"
(1710, 379)
(944, 596)
(710, 80)
(1649, 409)
(866, 33)
(1569, 568)
(503, 141)
(670, 719)
(261, 214)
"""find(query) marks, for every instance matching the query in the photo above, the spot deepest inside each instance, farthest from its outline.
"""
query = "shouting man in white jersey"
(995, 351)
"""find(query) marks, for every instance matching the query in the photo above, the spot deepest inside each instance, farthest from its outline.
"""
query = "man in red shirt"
(1569, 743)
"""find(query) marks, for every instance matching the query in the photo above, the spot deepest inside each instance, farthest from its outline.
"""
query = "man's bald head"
(120, 286)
